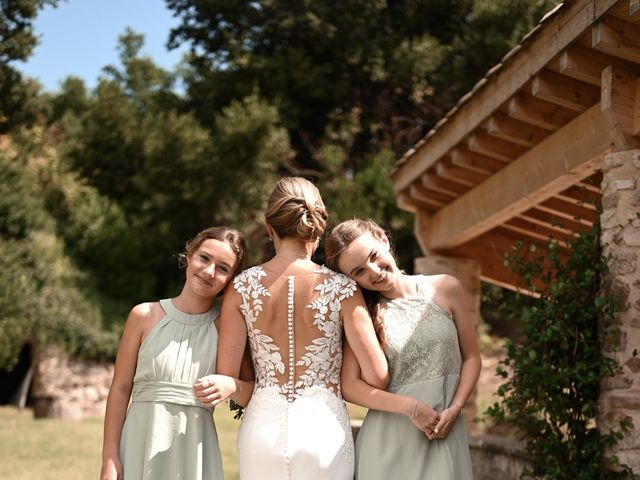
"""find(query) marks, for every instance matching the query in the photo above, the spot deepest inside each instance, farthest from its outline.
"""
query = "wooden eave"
(518, 158)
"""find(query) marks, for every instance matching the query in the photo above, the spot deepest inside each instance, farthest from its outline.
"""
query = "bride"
(293, 311)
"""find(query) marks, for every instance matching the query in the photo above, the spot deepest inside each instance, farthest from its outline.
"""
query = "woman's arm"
(120, 390)
(361, 336)
(214, 389)
(449, 292)
(355, 390)
(226, 383)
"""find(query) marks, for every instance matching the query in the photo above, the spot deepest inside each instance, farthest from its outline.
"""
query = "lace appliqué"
(324, 358)
(267, 356)
(421, 341)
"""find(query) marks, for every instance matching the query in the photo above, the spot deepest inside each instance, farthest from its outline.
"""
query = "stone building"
(548, 134)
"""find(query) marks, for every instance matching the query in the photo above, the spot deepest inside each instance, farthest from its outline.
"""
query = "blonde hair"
(338, 241)
(295, 209)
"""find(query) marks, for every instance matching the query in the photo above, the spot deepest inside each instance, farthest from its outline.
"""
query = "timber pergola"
(520, 156)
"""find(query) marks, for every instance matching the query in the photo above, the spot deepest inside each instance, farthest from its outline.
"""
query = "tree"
(154, 175)
(356, 83)
(18, 104)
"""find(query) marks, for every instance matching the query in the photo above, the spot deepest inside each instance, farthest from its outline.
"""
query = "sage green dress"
(424, 363)
(167, 434)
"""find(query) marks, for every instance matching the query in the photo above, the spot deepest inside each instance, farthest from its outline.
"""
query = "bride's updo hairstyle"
(295, 209)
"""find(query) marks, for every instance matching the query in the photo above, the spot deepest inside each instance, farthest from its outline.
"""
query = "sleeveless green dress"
(167, 434)
(424, 363)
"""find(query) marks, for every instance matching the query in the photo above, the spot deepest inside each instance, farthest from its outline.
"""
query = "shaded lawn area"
(50, 449)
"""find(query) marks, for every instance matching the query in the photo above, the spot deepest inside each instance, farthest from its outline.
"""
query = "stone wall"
(496, 458)
(620, 221)
(69, 389)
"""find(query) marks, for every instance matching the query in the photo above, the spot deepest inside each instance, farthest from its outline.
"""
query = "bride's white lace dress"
(296, 425)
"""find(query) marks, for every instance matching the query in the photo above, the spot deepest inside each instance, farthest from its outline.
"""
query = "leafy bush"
(551, 396)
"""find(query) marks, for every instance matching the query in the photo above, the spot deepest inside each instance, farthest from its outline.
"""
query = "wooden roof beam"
(586, 64)
(621, 106)
(502, 150)
(459, 175)
(409, 204)
(581, 196)
(544, 220)
(625, 9)
(537, 232)
(462, 157)
(422, 195)
(564, 91)
(490, 249)
(535, 111)
(431, 181)
(570, 211)
(560, 32)
(552, 166)
(618, 38)
(502, 126)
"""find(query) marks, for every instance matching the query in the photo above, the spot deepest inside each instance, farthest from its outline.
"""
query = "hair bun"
(295, 208)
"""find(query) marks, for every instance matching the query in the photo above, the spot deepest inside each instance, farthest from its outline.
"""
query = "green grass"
(50, 449)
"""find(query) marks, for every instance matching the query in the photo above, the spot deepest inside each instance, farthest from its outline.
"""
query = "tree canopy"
(110, 182)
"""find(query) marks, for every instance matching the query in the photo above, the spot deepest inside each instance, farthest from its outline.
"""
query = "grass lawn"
(49, 449)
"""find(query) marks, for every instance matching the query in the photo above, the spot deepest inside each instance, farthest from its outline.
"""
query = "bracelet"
(458, 404)
(415, 408)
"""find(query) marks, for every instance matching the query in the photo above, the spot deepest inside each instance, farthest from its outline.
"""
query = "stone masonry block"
(610, 200)
(632, 237)
(608, 219)
(612, 161)
(625, 184)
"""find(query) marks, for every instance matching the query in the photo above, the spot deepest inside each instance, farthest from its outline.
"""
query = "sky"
(80, 37)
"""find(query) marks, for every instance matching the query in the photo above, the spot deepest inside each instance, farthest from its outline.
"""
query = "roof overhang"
(519, 157)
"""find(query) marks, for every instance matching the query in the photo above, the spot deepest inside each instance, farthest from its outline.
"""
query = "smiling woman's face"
(369, 262)
(210, 267)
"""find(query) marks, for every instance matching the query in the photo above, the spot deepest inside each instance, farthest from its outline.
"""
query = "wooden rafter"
(552, 166)
(459, 175)
(564, 91)
(462, 157)
(560, 32)
(618, 38)
(540, 113)
(490, 248)
(421, 195)
(545, 220)
(569, 211)
(502, 150)
(619, 105)
(501, 125)
(586, 64)
(431, 181)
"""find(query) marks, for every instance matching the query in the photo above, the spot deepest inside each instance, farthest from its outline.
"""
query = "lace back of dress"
(308, 352)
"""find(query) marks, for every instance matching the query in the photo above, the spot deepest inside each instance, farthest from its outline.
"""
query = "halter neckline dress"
(167, 434)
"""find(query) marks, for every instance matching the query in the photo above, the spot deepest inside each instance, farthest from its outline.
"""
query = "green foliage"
(43, 296)
(18, 102)
(356, 83)
(553, 372)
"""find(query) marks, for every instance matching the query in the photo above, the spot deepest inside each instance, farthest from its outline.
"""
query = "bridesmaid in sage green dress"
(425, 326)
(166, 347)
